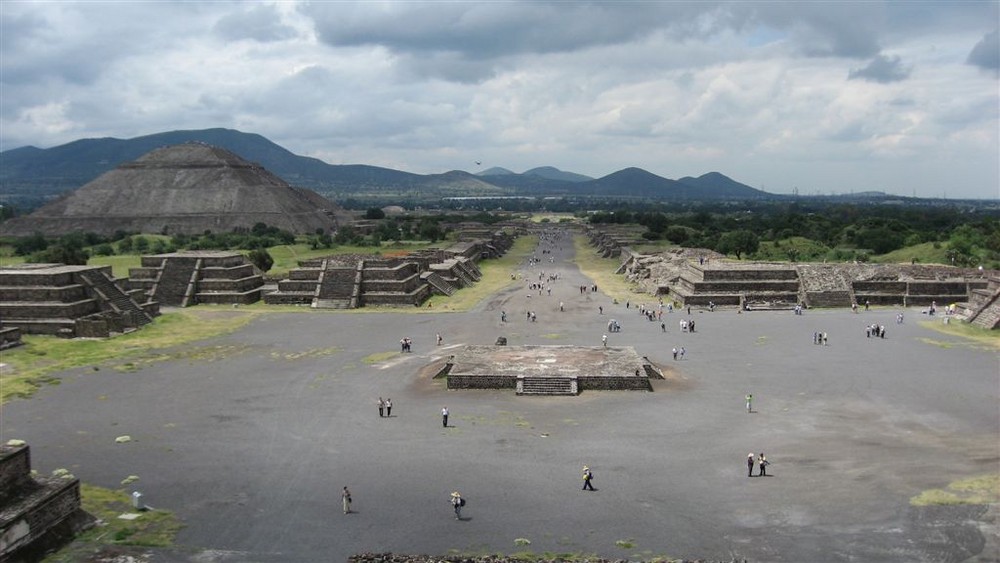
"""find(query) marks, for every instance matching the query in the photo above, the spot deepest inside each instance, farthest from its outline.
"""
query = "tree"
(261, 258)
(738, 242)
(374, 213)
(31, 244)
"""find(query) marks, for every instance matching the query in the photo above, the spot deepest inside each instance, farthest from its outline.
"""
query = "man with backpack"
(457, 502)
(587, 478)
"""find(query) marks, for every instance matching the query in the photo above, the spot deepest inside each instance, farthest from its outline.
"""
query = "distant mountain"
(723, 186)
(495, 171)
(553, 173)
(32, 174)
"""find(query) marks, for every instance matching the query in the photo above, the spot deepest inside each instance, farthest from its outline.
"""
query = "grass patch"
(43, 355)
(625, 544)
(990, 339)
(984, 489)
(602, 271)
(379, 357)
(153, 528)
(924, 253)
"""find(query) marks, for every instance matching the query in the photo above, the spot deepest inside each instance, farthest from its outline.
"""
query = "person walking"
(587, 478)
(750, 465)
(439, 340)
(675, 353)
(444, 417)
(763, 463)
(604, 340)
(682, 352)
(345, 497)
(388, 408)
(749, 403)
(457, 502)
(381, 407)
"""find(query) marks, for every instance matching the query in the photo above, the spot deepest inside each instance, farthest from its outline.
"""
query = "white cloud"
(756, 90)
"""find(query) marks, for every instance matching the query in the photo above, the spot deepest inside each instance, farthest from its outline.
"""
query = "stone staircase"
(115, 297)
(172, 282)
(438, 283)
(984, 307)
(527, 385)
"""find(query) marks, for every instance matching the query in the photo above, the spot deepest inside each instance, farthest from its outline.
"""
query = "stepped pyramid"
(182, 189)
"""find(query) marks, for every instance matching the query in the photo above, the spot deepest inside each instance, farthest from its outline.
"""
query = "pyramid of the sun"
(182, 189)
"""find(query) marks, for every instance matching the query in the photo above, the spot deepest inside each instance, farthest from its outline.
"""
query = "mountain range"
(33, 174)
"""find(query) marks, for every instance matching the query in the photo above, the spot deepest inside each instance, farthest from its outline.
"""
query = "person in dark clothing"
(763, 463)
(750, 465)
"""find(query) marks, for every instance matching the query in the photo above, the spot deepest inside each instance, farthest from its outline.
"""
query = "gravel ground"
(250, 438)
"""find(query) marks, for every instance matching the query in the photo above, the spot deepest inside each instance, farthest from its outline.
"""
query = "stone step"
(547, 386)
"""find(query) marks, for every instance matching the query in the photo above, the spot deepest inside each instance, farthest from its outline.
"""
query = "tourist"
(345, 497)
(439, 339)
(663, 327)
(444, 417)
(682, 352)
(561, 307)
(388, 408)
(604, 340)
(600, 309)
(749, 404)
(763, 463)
(750, 465)
(457, 502)
(381, 407)
(675, 353)
(587, 478)
(503, 316)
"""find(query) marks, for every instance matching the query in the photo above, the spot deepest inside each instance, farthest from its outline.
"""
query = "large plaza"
(250, 437)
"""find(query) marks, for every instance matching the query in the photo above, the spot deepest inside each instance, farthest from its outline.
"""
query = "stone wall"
(400, 558)
(612, 383)
(482, 381)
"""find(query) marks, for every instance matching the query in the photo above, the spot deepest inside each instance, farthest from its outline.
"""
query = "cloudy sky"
(822, 97)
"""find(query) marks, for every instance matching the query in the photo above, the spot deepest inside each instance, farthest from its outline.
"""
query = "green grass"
(120, 263)
(379, 357)
(980, 336)
(153, 528)
(40, 356)
(984, 489)
(800, 249)
(925, 253)
(602, 271)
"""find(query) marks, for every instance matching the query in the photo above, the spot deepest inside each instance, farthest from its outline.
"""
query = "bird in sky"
(478, 163)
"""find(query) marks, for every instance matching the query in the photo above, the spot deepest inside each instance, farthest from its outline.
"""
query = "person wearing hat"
(762, 463)
(750, 465)
(457, 502)
(587, 478)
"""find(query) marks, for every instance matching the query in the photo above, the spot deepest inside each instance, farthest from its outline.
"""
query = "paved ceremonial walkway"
(250, 438)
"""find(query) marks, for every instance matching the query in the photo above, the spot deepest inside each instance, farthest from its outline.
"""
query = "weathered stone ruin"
(549, 370)
(182, 189)
(70, 301)
(36, 513)
(983, 308)
(359, 281)
(695, 277)
(182, 279)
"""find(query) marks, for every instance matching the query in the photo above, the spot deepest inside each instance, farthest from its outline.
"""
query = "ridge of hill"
(34, 174)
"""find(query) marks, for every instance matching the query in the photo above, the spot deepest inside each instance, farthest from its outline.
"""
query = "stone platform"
(549, 370)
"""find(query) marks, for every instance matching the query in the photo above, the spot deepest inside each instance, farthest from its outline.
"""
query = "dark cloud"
(882, 69)
(986, 53)
(488, 30)
(260, 23)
